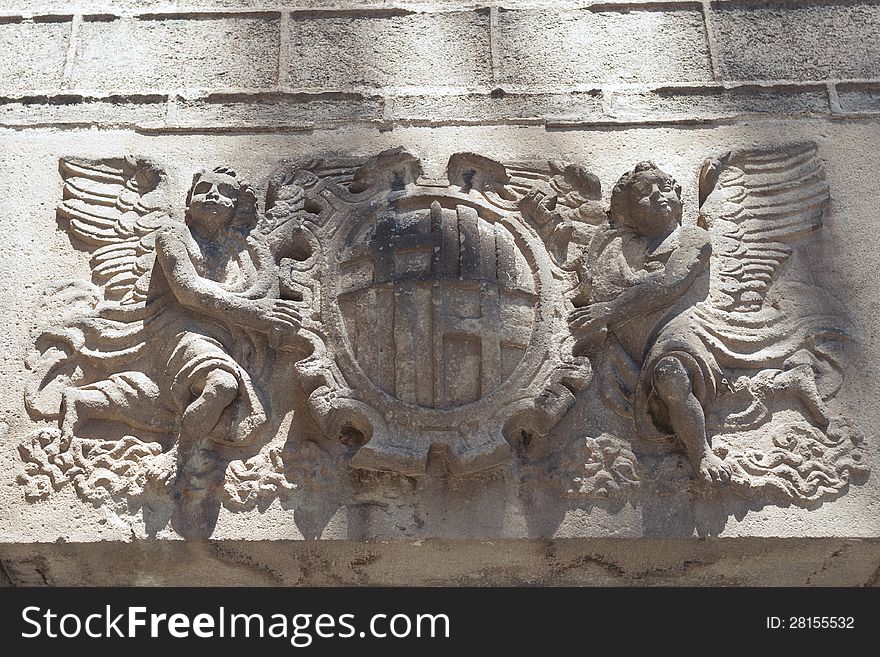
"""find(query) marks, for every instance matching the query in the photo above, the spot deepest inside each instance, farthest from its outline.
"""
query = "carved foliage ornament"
(369, 319)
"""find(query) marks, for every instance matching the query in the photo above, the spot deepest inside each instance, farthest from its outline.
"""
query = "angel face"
(647, 200)
(213, 200)
(654, 203)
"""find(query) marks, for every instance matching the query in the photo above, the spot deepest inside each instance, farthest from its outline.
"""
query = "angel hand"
(538, 205)
(589, 325)
(276, 315)
(590, 319)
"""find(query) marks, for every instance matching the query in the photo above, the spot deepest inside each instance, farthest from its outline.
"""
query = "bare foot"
(203, 414)
(713, 468)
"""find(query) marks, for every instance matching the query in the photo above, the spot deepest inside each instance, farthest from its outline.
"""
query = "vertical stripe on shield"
(414, 340)
(384, 321)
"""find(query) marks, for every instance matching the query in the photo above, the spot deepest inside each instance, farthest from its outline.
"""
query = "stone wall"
(192, 85)
(215, 66)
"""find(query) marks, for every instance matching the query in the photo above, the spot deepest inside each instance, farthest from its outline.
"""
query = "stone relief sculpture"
(684, 307)
(167, 342)
(368, 322)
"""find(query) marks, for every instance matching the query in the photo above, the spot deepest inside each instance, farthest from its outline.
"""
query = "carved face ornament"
(654, 203)
(214, 197)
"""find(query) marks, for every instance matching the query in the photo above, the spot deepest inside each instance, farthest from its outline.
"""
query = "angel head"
(647, 200)
(219, 199)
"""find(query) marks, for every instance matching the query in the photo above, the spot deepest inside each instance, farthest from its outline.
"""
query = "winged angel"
(696, 332)
(176, 332)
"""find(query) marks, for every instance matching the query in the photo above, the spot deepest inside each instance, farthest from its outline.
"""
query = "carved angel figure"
(174, 337)
(688, 316)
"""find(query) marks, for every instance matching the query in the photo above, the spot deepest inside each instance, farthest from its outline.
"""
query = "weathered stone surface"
(161, 54)
(33, 54)
(542, 49)
(427, 365)
(683, 104)
(815, 42)
(389, 50)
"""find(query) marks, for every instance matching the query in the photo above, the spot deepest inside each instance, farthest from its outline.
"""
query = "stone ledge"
(129, 8)
(677, 103)
(78, 110)
(140, 7)
(216, 111)
(242, 109)
(275, 110)
(494, 108)
(574, 562)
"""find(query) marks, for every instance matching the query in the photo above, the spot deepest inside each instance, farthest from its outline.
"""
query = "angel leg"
(200, 471)
(672, 383)
(75, 402)
(199, 468)
(128, 397)
(800, 375)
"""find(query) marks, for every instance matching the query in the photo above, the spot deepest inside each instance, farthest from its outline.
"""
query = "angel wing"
(117, 206)
(755, 203)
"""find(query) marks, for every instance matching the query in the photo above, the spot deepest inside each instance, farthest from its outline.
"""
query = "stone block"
(176, 52)
(791, 42)
(33, 54)
(390, 49)
(859, 98)
(544, 49)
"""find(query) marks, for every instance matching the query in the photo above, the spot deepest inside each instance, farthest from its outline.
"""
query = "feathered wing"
(117, 206)
(755, 204)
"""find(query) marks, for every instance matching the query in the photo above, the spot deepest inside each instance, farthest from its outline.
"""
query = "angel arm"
(658, 290)
(206, 297)
(664, 287)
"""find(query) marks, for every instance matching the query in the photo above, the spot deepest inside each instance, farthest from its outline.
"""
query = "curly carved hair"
(617, 213)
(246, 205)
